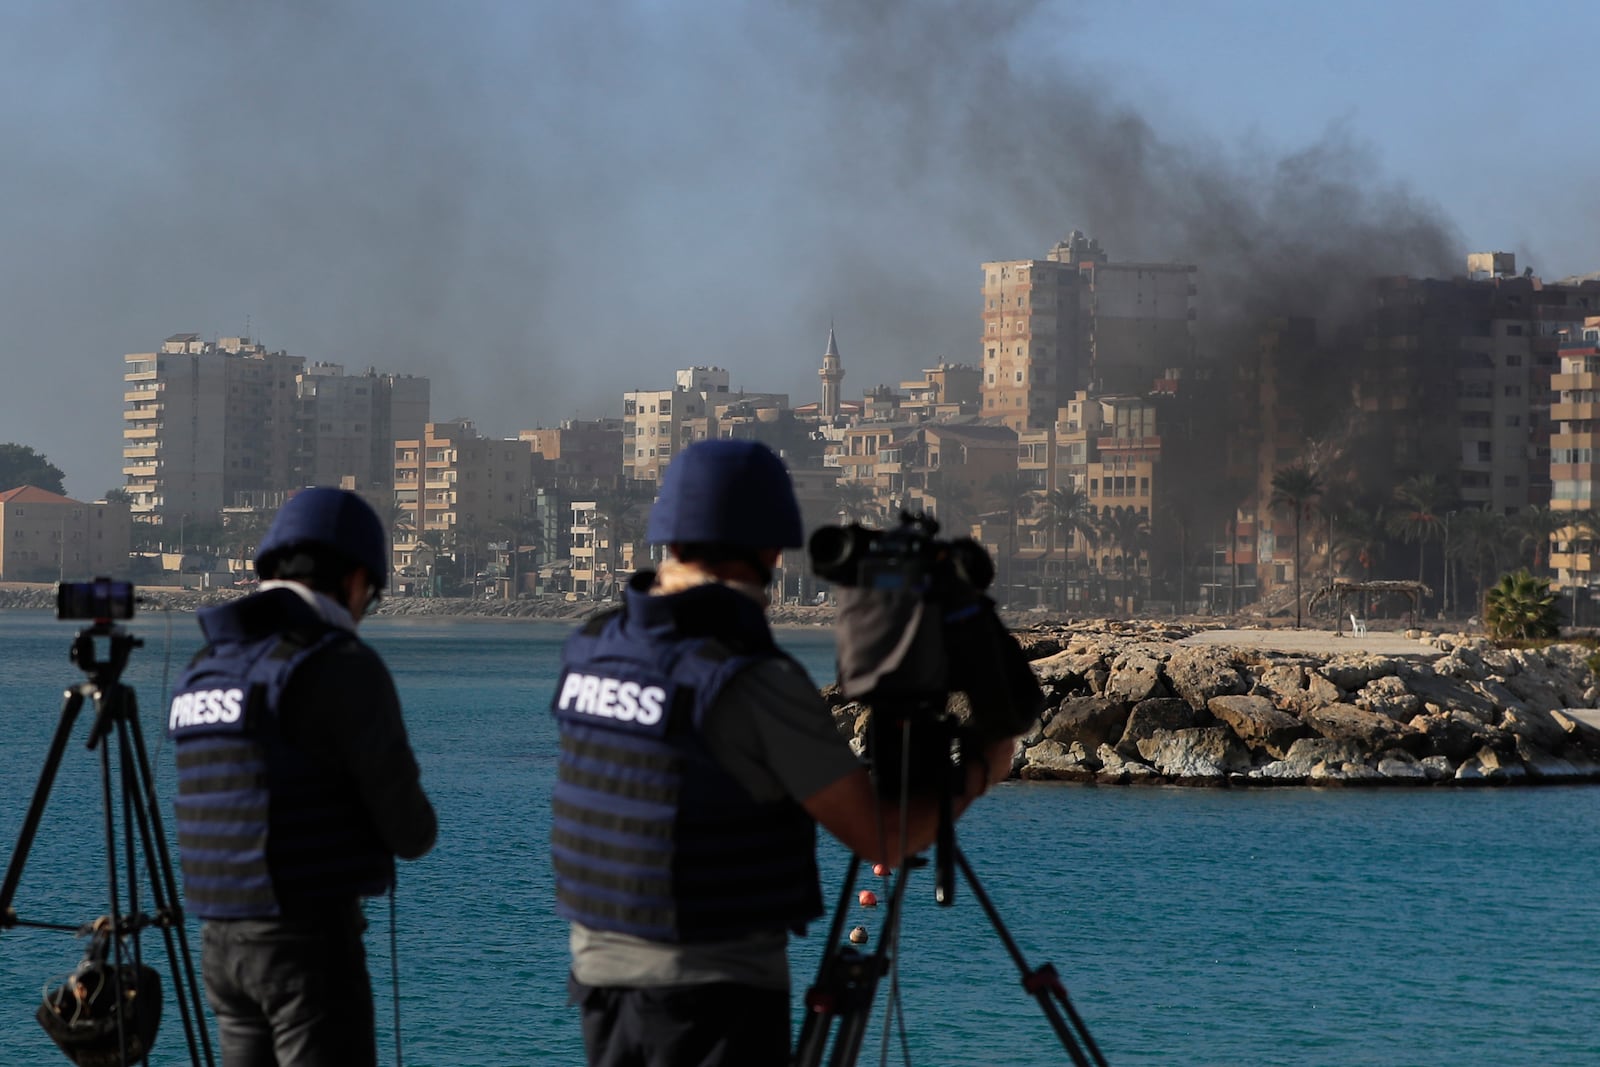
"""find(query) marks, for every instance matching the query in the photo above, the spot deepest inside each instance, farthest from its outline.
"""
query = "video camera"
(906, 557)
(913, 628)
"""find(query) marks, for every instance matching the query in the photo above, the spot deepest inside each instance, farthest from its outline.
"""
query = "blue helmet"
(730, 493)
(333, 519)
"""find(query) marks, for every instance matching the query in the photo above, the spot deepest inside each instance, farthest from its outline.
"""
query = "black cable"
(394, 969)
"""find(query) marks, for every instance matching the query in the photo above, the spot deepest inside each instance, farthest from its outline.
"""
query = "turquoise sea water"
(1191, 926)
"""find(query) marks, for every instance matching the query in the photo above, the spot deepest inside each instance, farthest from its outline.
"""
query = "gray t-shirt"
(772, 732)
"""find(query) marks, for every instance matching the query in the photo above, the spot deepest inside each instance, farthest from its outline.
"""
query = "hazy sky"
(539, 205)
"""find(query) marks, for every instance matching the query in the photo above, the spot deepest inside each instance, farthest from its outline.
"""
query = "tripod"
(116, 723)
(847, 978)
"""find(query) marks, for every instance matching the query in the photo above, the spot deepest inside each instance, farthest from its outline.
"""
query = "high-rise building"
(658, 423)
(580, 452)
(203, 422)
(1075, 320)
(1575, 457)
(214, 424)
(346, 425)
(1457, 376)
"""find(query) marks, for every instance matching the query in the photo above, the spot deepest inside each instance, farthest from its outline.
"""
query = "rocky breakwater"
(1153, 703)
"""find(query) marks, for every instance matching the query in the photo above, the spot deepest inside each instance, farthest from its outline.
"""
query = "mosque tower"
(832, 373)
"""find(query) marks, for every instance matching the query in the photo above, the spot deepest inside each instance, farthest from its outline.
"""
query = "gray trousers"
(290, 992)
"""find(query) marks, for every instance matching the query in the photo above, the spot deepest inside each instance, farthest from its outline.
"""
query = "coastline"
(1199, 703)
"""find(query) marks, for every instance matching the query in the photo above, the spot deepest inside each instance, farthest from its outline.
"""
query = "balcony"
(1575, 412)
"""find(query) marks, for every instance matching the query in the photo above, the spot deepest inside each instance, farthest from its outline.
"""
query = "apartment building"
(346, 425)
(657, 424)
(1458, 376)
(464, 487)
(579, 451)
(1575, 457)
(47, 537)
(205, 421)
(1075, 320)
(215, 424)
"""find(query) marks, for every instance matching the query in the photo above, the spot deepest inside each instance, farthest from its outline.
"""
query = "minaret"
(832, 373)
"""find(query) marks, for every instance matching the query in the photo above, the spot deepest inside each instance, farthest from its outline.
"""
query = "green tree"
(1295, 488)
(1482, 541)
(1009, 492)
(1423, 500)
(854, 502)
(21, 465)
(621, 513)
(1521, 608)
(953, 503)
(1534, 526)
(1069, 515)
(1128, 530)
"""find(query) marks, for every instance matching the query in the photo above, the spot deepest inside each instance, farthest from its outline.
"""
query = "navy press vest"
(263, 831)
(649, 835)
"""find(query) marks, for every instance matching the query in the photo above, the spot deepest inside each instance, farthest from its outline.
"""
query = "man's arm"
(883, 832)
(341, 707)
(772, 731)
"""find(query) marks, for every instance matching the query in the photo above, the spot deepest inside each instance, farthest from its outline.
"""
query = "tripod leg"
(141, 792)
(70, 706)
(847, 981)
(1043, 983)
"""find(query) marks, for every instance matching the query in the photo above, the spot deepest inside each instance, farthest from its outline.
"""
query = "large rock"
(1314, 757)
(1199, 753)
(1067, 670)
(1198, 673)
(1537, 728)
(1258, 723)
(1148, 716)
(1578, 732)
(1115, 770)
(1295, 688)
(1369, 730)
(1387, 696)
(1354, 670)
(1449, 692)
(1455, 735)
(1136, 674)
(1053, 761)
(1093, 721)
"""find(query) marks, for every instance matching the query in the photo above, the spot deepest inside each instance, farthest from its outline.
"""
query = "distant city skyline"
(541, 208)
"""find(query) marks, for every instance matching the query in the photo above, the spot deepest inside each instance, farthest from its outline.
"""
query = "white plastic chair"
(1357, 627)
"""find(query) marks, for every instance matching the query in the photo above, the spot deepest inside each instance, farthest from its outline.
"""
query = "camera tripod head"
(120, 645)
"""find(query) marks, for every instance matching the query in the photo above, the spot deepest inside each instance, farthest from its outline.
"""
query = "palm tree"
(1070, 516)
(1129, 531)
(1423, 500)
(953, 500)
(855, 502)
(1010, 492)
(1521, 608)
(1482, 541)
(1295, 487)
(619, 510)
(1534, 526)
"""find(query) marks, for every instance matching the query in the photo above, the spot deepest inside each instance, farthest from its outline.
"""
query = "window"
(1513, 390)
(1513, 420)
(1513, 360)
(1485, 451)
